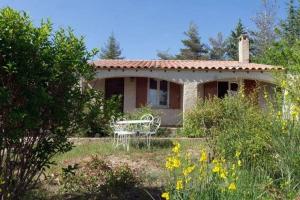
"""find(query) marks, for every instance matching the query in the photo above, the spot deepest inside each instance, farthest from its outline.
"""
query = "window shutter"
(175, 95)
(249, 86)
(210, 89)
(141, 91)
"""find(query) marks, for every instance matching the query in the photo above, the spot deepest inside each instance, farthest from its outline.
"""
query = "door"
(115, 86)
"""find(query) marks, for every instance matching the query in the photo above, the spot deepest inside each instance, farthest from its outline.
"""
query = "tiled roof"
(182, 65)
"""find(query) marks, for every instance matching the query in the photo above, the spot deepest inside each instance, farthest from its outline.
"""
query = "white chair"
(122, 133)
(147, 117)
(151, 129)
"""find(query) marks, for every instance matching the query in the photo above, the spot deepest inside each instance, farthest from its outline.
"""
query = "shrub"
(138, 113)
(99, 113)
(268, 139)
(203, 119)
(98, 177)
(41, 100)
(230, 124)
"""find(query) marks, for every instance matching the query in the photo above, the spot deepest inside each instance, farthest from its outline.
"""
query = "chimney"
(244, 49)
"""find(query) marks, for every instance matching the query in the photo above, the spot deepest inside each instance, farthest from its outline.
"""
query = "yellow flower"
(176, 147)
(283, 84)
(188, 170)
(239, 163)
(223, 175)
(203, 156)
(172, 162)
(237, 154)
(169, 163)
(166, 195)
(179, 185)
(232, 186)
(176, 163)
(216, 169)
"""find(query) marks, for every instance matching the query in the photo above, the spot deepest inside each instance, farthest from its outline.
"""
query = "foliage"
(41, 101)
(112, 49)
(218, 47)
(138, 113)
(194, 48)
(202, 178)
(99, 176)
(265, 22)
(165, 55)
(233, 40)
(203, 119)
(99, 113)
(268, 138)
(289, 29)
(232, 123)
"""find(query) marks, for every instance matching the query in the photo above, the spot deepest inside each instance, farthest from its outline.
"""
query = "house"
(173, 86)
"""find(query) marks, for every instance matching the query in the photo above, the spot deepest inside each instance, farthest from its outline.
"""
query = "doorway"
(115, 87)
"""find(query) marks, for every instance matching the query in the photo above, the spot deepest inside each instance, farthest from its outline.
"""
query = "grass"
(149, 163)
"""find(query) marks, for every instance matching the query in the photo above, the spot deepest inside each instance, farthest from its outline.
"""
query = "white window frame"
(158, 94)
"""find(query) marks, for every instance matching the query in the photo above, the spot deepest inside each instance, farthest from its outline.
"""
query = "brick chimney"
(244, 49)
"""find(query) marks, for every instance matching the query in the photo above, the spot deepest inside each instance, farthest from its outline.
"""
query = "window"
(225, 88)
(158, 93)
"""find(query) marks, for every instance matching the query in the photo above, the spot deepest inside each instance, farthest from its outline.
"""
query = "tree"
(265, 22)
(41, 100)
(218, 47)
(232, 41)
(165, 55)
(290, 28)
(111, 49)
(194, 49)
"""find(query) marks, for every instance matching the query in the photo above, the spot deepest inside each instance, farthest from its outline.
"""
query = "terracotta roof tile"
(182, 65)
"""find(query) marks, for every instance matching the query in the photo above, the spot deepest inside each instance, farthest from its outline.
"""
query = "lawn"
(147, 164)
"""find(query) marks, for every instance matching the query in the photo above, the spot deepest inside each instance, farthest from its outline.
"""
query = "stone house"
(173, 86)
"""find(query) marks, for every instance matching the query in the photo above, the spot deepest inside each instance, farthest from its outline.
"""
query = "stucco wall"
(98, 84)
(170, 117)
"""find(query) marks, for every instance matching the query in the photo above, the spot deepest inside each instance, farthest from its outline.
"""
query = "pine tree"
(194, 49)
(218, 47)
(111, 50)
(290, 28)
(265, 22)
(232, 41)
(165, 55)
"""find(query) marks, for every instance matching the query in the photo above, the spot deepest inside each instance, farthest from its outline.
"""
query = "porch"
(171, 99)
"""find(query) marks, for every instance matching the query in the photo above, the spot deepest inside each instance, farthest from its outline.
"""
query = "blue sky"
(143, 26)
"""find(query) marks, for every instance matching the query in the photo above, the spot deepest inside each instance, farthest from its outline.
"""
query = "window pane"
(153, 92)
(153, 83)
(163, 96)
(222, 89)
(234, 87)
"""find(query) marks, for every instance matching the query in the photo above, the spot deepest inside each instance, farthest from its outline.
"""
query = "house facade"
(173, 87)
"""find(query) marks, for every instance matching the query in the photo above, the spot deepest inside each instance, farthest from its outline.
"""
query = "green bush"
(203, 119)
(99, 113)
(230, 124)
(41, 100)
(138, 113)
(268, 139)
